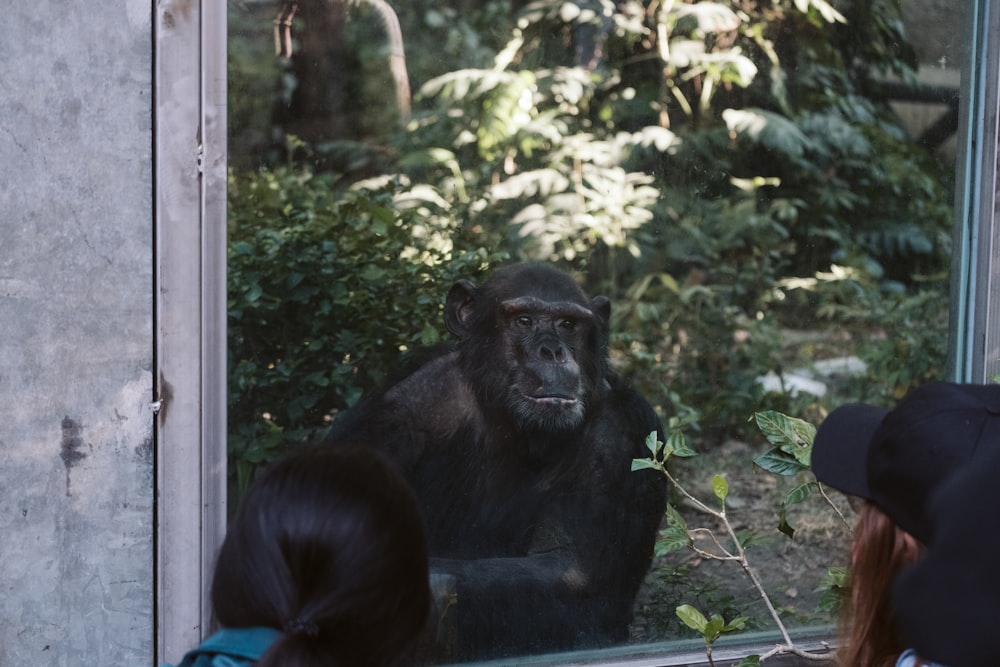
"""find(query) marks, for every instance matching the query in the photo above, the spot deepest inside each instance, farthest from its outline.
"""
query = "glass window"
(767, 193)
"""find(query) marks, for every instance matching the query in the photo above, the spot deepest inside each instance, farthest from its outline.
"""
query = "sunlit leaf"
(711, 16)
(770, 129)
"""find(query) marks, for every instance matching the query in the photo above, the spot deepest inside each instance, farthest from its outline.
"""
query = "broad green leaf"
(720, 488)
(714, 628)
(643, 464)
(769, 129)
(711, 16)
(779, 463)
(749, 538)
(372, 273)
(833, 590)
(738, 623)
(795, 496)
(653, 443)
(674, 518)
(802, 454)
(736, 69)
(672, 538)
(253, 293)
(800, 494)
(780, 429)
(783, 526)
(836, 576)
(692, 618)
(680, 446)
(749, 661)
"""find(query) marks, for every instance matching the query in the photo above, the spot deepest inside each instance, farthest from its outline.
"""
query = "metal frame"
(974, 349)
(190, 295)
(190, 302)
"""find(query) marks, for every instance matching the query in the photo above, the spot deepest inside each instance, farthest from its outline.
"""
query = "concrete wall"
(76, 333)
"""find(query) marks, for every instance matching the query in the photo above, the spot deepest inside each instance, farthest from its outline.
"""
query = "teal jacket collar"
(244, 644)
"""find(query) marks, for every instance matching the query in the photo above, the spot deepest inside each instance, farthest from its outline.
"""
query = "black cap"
(946, 605)
(897, 458)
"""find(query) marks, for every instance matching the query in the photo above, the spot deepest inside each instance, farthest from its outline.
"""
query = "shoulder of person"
(231, 647)
(909, 658)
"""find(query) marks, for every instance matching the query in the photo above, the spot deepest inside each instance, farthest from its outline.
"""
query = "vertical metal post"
(190, 302)
(974, 352)
(214, 59)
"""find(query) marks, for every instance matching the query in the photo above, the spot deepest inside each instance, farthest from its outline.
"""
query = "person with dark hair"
(325, 564)
(894, 460)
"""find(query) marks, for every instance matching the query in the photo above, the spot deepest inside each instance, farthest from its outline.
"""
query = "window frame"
(190, 54)
(189, 302)
(974, 340)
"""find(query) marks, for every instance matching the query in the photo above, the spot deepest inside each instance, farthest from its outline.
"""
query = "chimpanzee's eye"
(524, 321)
(567, 324)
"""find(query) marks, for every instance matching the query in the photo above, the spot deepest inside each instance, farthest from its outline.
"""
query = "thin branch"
(741, 558)
(829, 501)
(764, 596)
(784, 650)
(697, 503)
(726, 554)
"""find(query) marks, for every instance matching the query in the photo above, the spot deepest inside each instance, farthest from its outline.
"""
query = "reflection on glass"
(764, 192)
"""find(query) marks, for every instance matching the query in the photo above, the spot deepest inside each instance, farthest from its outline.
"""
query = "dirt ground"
(792, 571)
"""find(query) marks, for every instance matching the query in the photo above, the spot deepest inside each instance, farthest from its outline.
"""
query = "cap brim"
(840, 449)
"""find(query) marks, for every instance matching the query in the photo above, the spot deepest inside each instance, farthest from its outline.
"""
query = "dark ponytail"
(329, 547)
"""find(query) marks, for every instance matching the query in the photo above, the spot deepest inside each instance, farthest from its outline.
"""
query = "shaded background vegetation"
(720, 170)
(716, 168)
(728, 173)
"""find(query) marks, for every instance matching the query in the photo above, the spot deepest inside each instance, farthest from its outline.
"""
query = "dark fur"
(519, 446)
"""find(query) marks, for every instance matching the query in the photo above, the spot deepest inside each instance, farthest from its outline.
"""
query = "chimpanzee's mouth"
(555, 400)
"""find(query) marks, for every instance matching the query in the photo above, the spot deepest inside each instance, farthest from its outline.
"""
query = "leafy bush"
(327, 289)
(699, 162)
(689, 164)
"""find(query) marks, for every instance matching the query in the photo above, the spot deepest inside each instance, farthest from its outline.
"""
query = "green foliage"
(327, 289)
(905, 330)
(835, 588)
(693, 160)
(791, 441)
(720, 169)
(672, 583)
(709, 628)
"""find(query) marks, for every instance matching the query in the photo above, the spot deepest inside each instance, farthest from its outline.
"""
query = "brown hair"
(880, 550)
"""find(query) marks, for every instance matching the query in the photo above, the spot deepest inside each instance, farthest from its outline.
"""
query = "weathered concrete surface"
(76, 334)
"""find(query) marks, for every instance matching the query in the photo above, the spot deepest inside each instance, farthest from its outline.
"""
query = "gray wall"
(76, 333)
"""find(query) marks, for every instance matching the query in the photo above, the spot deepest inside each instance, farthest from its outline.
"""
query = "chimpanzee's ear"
(601, 306)
(458, 307)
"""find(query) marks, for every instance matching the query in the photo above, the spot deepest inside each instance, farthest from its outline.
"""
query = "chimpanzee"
(519, 445)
